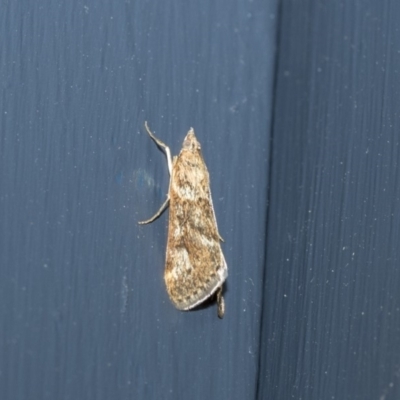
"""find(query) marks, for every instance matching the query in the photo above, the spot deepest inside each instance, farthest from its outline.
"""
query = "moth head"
(190, 142)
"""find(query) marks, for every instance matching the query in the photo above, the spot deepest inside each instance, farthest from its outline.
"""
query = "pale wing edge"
(223, 274)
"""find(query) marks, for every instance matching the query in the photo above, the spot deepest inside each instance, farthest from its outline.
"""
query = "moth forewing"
(195, 265)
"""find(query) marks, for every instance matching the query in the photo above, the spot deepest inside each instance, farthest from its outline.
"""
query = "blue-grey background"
(296, 104)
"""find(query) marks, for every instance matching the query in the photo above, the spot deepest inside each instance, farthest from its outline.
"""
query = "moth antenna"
(162, 145)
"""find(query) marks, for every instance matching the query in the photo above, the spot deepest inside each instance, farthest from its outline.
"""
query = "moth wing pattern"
(195, 265)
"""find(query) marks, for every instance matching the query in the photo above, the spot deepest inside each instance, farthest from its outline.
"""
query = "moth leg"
(162, 145)
(215, 219)
(221, 303)
(157, 214)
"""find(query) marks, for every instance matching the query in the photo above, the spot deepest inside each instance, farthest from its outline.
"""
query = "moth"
(195, 266)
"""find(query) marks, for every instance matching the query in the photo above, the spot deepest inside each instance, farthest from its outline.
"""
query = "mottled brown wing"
(195, 265)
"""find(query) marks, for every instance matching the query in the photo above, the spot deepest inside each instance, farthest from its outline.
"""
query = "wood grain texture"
(331, 325)
(84, 314)
(313, 310)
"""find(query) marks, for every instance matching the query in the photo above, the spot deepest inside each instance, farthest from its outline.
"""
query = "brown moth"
(195, 265)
